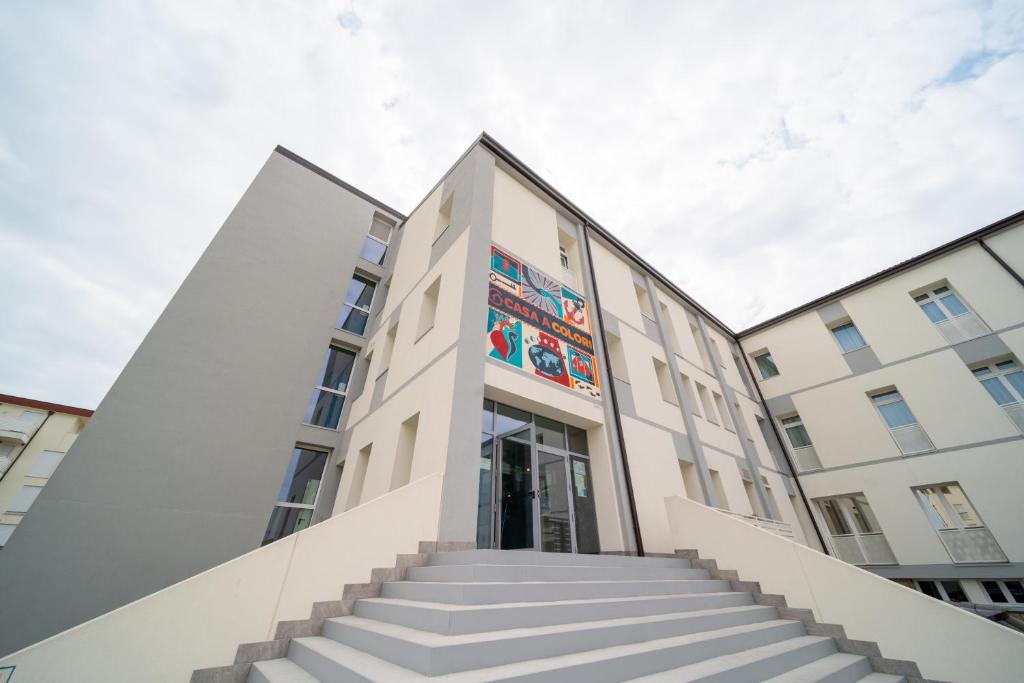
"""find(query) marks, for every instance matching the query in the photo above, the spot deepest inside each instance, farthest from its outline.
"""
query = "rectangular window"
(6, 451)
(23, 499)
(444, 218)
(905, 430)
(947, 590)
(356, 311)
(618, 356)
(45, 464)
(375, 246)
(690, 397)
(563, 257)
(854, 530)
(717, 352)
(1004, 382)
(723, 410)
(5, 533)
(404, 453)
(644, 302)
(948, 312)
(1004, 591)
(804, 455)
(428, 309)
(355, 490)
(705, 401)
(957, 523)
(673, 340)
(297, 496)
(766, 365)
(698, 339)
(661, 372)
(328, 398)
(848, 337)
(389, 348)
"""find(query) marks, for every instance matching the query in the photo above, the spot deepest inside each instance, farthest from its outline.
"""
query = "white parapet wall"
(198, 623)
(948, 643)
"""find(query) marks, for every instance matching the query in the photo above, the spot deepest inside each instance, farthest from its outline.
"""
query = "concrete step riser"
(850, 673)
(482, 619)
(563, 559)
(433, 661)
(323, 668)
(470, 572)
(644, 663)
(490, 594)
(769, 666)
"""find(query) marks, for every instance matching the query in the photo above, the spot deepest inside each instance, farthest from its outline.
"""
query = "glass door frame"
(566, 457)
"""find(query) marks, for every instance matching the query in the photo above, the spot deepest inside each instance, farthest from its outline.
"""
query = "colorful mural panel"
(537, 324)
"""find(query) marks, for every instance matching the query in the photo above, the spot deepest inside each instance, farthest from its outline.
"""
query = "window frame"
(760, 369)
(37, 461)
(937, 294)
(992, 372)
(941, 589)
(300, 506)
(338, 325)
(319, 387)
(843, 324)
(897, 397)
(392, 226)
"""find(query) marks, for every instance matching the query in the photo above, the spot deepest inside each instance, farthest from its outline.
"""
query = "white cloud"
(759, 154)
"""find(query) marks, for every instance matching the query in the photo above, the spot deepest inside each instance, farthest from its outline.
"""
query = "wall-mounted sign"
(539, 325)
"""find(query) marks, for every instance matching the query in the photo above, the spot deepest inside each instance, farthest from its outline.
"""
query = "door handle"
(531, 494)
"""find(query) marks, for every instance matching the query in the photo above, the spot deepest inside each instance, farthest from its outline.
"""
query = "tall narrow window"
(698, 340)
(6, 452)
(800, 444)
(328, 398)
(355, 489)
(856, 534)
(673, 340)
(23, 499)
(706, 403)
(1004, 381)
(388, 348)
(905, 430)
(717, 352)
(958, 525)
(848, 337)
(766, 365)
(428, 309)
(405, 451)
(618, 356)
(690, 397)
(563, 257)
(375, 246)
(356, 311)
(45, 464)
(947, 311)
(661, 372)
(723, 410)
(643, 301)
(444, 218)
(297, 496)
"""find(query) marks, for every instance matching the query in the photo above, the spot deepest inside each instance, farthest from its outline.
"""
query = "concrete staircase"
(489, 615)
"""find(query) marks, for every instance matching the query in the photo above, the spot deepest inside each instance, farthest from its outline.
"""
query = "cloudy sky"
(760, 154)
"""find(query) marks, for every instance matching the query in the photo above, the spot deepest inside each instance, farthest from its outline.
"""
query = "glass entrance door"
(515, 491)
(557, 533)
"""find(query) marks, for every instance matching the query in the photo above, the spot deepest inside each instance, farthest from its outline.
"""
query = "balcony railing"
(777, 527)
(870, 548)
(806, 459)
(975, 544)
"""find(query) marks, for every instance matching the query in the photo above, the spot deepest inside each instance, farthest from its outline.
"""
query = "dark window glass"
(487, 419)
(510, 418)
(360, 292)
(373, 251)
(337, 369)
(285, 521)
(766, 364)
(352, 319)
(484, 513)
(577, 440)
(324, 409)
(1016, 589)
(954, 592)
(929, 588)
(995, 593)
(550, 433)
(302, 478)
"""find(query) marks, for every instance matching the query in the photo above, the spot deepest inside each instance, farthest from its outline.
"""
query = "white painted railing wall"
(948, 643)
(199, 623)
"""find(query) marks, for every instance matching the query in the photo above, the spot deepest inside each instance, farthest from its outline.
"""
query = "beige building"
(35, 436)
(336, 381)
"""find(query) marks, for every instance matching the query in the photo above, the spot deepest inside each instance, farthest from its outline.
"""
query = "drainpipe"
(25, 447)
(785, 452)
(1006, 266)
(610, 381)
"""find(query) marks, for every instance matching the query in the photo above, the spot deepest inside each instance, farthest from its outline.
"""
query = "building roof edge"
(45, 405)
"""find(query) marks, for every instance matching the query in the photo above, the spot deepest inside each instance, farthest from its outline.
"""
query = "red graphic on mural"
(546, 356)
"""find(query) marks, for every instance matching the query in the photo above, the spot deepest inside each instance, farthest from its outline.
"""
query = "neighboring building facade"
(902, 403)
(326, 350)
(34, 439)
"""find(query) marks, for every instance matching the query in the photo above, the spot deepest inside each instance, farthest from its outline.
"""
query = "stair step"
(537, 558)
(279, 671)
(459, 619)
(837, 668)
(335, 662)
(882, 678)
(471, 593)
(433, 654)
(521, 572)
(751, 665)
